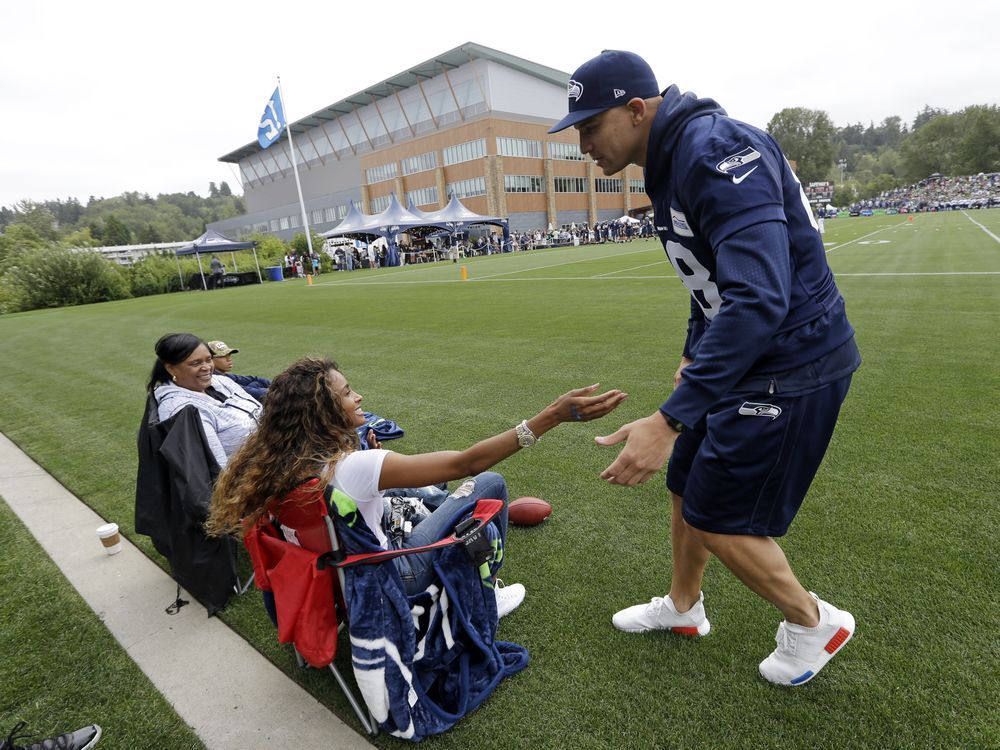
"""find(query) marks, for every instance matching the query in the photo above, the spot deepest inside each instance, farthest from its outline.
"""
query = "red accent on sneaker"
(837, 641)
(685, 630)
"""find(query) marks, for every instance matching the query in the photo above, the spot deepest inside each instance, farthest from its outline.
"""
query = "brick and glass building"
(470, 121)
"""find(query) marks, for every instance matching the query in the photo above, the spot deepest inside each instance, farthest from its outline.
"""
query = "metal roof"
(428, 69)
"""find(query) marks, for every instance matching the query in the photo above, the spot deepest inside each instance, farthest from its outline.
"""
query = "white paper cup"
(110, 538)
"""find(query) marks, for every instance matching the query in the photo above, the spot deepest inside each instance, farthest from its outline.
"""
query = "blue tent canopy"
(213, 242)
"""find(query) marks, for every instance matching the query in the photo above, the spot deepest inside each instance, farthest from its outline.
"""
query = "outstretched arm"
(442, 466)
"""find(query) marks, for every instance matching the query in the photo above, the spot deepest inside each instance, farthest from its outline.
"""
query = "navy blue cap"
(609, 80)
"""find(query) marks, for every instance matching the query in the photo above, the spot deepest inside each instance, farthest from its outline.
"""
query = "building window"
(329, 214)
(607, 185)
(468, 188)
(569, 151)
(637, 186)
(273, 224)
(317, 216)
(464, 152)
(283, 222)
(423, 196)
(295, 220)
(523, 183)
(570, 184)
(420, 163)
(381, 173)
(260, 228)
(519, 147)
(380, 204)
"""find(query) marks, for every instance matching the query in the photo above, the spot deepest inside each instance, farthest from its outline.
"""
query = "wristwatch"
(673, 424)
(525, 437)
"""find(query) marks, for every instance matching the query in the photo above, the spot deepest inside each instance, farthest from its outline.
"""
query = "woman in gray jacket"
(183, 375)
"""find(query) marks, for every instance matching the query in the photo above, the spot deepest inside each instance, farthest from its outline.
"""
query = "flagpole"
(295, 169)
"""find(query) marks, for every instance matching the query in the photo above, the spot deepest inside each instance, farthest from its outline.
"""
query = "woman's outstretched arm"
(578, 405)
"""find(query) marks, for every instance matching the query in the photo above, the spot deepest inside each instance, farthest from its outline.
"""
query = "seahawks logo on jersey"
(740, 159)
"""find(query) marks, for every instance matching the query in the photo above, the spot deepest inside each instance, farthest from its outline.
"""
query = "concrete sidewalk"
(248, 702)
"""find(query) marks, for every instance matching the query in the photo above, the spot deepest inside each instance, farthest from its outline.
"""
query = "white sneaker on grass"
(803, 651)
(661, 614)
(509, 597)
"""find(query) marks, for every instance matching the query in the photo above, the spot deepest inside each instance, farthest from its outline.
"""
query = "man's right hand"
(648, 444)
(680, 368)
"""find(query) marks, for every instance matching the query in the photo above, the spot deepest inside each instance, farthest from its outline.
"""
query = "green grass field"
(899, 527)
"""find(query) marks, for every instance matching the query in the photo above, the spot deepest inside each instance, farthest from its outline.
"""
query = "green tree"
(148, 235)
(38, 217)
(19, 239)
(927, 114)
(930, 149)
(806, 136)
(56, 277)
(115, 232)
(224, 190)
(978, 147)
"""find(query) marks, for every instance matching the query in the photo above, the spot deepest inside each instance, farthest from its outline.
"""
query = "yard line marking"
(543, 279)
(626, 270)
(995, 238)
(556, 265)
(858, 239)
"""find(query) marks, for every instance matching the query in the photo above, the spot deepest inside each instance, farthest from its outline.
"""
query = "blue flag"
(272, 122)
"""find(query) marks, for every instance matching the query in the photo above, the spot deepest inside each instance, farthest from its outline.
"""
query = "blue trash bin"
(274, 273)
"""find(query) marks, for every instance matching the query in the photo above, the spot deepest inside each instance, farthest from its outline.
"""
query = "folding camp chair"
(298, 556)
(307, 598)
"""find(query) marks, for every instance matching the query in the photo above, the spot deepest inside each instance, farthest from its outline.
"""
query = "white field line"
(636, 278)
(556, 265)
(626, 270)
(995, 238)
(870, 234)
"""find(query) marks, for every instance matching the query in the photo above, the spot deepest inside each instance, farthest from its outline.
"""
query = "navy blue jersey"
(738, 229)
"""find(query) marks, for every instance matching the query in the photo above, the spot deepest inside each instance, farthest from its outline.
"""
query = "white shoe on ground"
(803, 651)
(661, 614)
(509, 597)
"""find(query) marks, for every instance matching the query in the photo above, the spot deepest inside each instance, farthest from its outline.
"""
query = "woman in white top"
(309, 430)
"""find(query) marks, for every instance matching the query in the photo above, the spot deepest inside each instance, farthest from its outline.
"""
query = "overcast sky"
(101, 97)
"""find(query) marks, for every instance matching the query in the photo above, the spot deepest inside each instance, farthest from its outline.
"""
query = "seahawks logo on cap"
(574, 89)
(740, 159)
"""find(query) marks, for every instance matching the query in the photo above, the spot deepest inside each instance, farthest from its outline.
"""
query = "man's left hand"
(648, 444)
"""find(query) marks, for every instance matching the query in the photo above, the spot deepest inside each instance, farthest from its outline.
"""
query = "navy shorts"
(746, 467)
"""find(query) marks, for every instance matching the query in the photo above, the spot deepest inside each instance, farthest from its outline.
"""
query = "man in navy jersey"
(767, 360)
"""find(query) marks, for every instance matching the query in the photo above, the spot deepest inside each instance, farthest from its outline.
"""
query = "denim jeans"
(417, 571)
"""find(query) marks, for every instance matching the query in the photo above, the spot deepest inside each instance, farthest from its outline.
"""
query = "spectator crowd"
(940, 193)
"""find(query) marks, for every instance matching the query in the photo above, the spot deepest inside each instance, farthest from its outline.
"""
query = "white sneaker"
(509, 597)
(803, 651)
(661, 614)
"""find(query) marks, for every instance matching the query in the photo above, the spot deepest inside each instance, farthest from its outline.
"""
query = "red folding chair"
(284, 546)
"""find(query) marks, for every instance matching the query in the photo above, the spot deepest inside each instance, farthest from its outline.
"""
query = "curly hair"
(302, 434)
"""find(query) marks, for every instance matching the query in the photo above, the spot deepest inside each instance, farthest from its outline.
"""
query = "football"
(528, 511)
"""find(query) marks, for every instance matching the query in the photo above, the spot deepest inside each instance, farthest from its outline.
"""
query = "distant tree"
(224, 190)
(213, 191)
(18, 239)
(148, 235)
(36, 216)
(80, 238)
(55, 277)
(96, 231)
(115, 232)
(299, 245)
(930, 148)
(806, 136)
(927, 114)
(978, 148)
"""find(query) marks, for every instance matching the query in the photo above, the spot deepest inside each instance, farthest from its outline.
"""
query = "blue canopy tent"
(213, 242)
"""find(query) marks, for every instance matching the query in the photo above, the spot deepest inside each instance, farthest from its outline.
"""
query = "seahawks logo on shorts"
(760, 410)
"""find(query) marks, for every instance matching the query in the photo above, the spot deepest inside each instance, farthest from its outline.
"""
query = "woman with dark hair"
(183, 375)
(308, 430)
